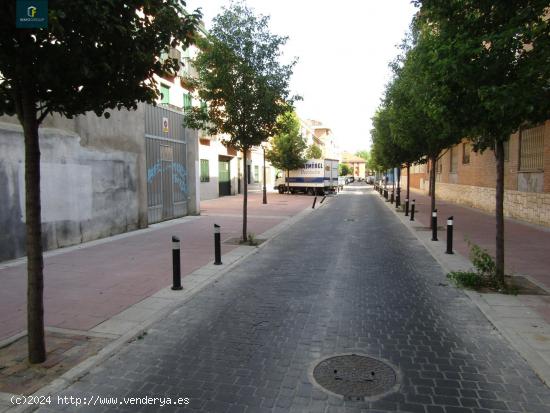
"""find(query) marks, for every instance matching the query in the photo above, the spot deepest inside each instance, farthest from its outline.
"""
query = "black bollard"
(449, 236)
(434, 225)
(412, 209)
(406, 207)
(314, 201)
(391, 198)
(176, 265)
(323, 200)
(217, 246)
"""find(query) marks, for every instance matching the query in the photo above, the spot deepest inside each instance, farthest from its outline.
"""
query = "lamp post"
(264, 189)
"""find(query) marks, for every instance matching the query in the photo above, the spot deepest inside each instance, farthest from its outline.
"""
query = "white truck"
(317, 177)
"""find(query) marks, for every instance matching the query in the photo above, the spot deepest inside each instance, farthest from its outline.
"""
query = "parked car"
(349, 179)
(370, 179)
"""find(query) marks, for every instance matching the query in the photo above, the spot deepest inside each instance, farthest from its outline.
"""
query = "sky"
(343, 50)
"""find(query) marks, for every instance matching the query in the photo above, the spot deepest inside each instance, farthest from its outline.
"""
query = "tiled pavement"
(88, 284)
(345, 279)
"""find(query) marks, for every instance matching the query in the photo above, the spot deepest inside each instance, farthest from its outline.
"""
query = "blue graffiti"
(179, 174)
(153, 171)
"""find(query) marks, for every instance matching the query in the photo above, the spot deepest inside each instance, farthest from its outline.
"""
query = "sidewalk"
(523, 319)
(90, 283)
(526, 245)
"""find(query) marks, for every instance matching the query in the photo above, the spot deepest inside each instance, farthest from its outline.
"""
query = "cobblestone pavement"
(348, 278)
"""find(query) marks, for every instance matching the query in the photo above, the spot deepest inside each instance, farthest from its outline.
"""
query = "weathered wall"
(93, 180)
(525, 206)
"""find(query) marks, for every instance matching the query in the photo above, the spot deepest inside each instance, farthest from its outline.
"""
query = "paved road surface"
(348, 278)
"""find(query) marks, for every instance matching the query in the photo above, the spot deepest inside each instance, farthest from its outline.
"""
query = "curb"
(193, 283)
(457, 262)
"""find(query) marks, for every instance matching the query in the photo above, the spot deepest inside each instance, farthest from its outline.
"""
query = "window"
(205, 171)
(466, 149)
(256, 173)
(164, 94)
(187, 102)
(531, 149)
(439, 166)
(454, 159)
(204, 107)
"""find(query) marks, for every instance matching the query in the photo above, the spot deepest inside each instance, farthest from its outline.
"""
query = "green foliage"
(287, 146)
(91, 57)
(485, 274)
(241, 79)
(314, 152)
(466, 279)
(505, 83)
(344, 170)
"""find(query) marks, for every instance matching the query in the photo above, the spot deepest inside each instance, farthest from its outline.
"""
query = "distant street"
(348, 278)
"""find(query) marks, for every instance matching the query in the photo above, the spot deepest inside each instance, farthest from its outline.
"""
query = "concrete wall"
(93, 180)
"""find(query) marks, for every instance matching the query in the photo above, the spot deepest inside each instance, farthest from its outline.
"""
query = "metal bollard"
(323, 200)
(314, 202)
(392, 197)
(412, 209)
(398, 198)
(176, 264)
(434, 225)
(449, 236)
(217, 245)
(406, 207)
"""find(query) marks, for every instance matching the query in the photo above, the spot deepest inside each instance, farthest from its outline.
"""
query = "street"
(348, 278)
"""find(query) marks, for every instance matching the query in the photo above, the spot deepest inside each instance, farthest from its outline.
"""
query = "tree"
(90, 58)
(344, 170)
(287, 146)
(245, 86)
(422, 107)
(314, 152)
(504, 84)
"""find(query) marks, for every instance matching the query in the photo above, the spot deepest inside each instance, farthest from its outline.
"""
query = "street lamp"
(264, 189)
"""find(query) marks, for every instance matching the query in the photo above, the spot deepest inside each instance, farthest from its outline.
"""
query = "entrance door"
(224, 178)
(239, 175)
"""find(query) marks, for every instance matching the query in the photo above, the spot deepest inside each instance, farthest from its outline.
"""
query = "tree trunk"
(408, 181)
(433, 160)
(499, 211)
(245, 195)
(35, 262)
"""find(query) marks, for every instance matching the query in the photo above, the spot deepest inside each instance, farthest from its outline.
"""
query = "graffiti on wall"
(179, 174)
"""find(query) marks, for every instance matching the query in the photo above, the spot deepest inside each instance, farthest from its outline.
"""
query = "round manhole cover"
(354, 376)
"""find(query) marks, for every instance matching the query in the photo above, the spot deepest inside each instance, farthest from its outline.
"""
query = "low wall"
(526, 206)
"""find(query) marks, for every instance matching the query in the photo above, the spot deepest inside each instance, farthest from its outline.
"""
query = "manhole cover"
(355, 377)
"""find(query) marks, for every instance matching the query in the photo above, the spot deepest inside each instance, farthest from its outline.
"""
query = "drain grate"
(355, 377)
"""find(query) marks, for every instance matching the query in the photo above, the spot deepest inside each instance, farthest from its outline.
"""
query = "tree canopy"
(288, 148)
(314, 152)
(240, 78)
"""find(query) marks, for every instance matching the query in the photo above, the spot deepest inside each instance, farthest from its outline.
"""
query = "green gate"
(224, 178)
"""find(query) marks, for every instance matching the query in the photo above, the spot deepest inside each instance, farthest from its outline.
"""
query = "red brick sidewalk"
(86, 286)
(527, 247)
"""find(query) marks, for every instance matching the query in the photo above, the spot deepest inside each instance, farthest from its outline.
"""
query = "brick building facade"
(466, 177)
